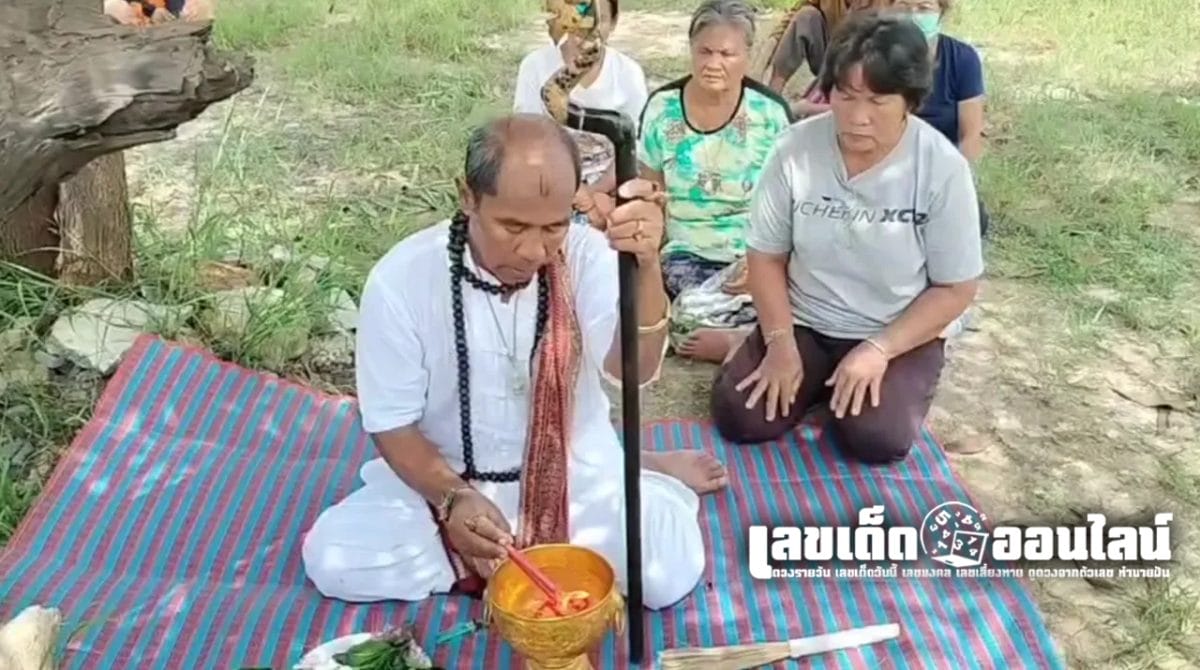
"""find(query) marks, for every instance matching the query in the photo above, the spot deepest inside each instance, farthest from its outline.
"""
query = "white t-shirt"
(621, 86)
(407, 366)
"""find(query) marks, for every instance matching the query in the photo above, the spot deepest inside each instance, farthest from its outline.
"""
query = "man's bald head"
(523, 172)
(525, 141)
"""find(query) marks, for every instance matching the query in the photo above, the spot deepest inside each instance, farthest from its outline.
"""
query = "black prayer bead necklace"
(458, 274)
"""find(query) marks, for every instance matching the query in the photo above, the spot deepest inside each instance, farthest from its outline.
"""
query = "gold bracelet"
(650, 330)
(769, 338)
(871, 341)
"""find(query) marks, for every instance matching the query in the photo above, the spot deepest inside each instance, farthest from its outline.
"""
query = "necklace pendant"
(519, 385)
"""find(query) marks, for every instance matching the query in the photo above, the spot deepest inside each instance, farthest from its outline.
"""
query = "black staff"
(619, 129)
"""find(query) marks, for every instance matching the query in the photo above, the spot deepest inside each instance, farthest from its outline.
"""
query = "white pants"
(381, 541)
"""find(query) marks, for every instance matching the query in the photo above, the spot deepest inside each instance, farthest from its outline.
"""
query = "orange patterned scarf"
(543, 515)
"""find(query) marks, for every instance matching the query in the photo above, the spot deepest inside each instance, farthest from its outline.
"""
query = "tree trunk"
(28, 237)
(77, 86)
(95, 227)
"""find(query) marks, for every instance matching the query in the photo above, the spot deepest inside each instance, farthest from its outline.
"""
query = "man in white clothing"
(483, 443)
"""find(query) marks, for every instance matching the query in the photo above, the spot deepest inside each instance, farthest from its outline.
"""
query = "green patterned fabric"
(709, 176)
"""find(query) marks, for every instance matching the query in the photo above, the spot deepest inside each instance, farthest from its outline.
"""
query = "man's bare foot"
(708, 344)
(701, 471)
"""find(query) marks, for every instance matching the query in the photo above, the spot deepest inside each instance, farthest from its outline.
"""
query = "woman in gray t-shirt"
(863, 246)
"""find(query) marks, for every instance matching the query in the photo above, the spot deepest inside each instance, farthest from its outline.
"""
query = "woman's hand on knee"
(859, 374)
(777, 377)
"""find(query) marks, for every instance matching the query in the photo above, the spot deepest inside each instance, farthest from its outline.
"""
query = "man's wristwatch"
(447, 502)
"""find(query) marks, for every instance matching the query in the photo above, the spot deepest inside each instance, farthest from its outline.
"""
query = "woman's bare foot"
(713, 345)
(708, 344)
(701, 471)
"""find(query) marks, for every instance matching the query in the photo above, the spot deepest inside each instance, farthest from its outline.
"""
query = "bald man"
(482, 345)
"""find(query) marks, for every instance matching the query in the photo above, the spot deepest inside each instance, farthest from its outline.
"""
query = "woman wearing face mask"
(863, 247)
(955, 103)
(704, 138)
(616, 82)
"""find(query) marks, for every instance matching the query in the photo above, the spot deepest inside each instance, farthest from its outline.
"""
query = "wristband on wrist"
(447, 502)
(770, 337)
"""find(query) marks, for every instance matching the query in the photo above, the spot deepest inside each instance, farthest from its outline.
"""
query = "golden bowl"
(558, 643)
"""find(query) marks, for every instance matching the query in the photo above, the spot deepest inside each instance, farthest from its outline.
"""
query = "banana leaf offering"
(395, 649)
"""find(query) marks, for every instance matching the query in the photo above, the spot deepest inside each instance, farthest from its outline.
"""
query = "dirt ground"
(1045, 416)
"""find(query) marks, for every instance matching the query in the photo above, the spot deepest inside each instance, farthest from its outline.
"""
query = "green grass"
(1074, 184)
(267, 23)
(1166, 628)
(1094, 131)
(352, 136)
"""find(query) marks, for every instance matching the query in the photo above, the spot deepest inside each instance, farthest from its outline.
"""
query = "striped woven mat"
(172, 529)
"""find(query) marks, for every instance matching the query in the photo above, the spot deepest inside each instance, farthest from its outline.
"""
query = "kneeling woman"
(704, 138)
(863, 246)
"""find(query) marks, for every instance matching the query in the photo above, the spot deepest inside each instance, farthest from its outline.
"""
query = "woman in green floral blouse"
(704, 138)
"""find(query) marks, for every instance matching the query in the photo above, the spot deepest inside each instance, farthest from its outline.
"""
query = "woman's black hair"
(892, 50)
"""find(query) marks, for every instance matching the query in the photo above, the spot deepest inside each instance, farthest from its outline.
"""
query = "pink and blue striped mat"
(172, 529)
